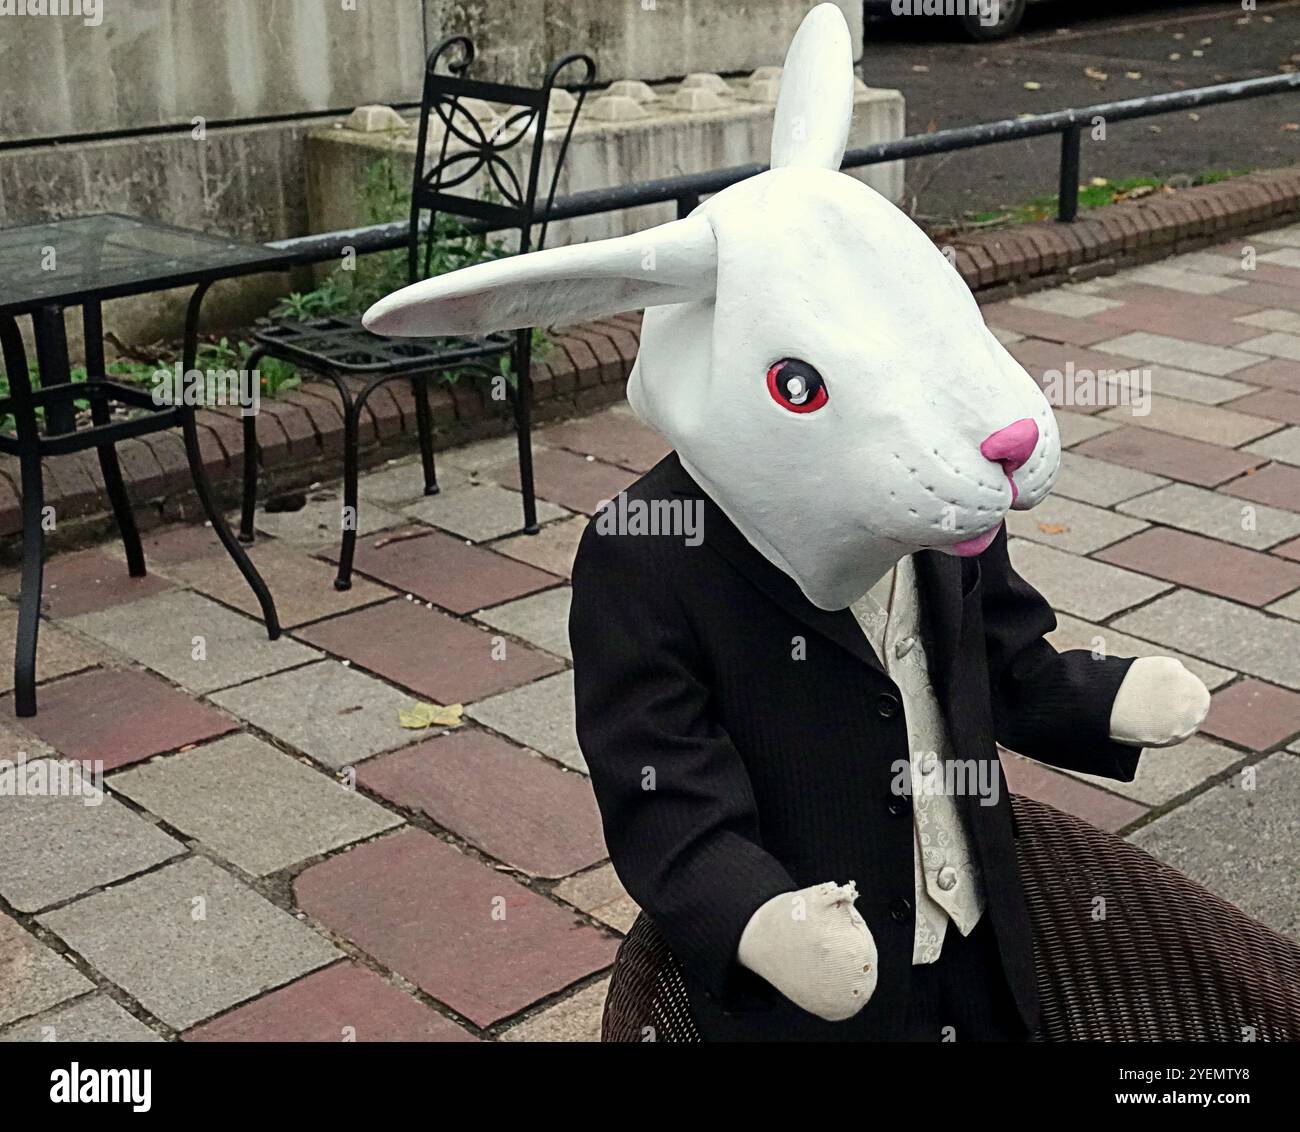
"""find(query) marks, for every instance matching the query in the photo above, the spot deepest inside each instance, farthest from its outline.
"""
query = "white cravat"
(948, 885)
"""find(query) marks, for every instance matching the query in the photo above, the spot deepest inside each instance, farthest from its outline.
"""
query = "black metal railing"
(687, 190)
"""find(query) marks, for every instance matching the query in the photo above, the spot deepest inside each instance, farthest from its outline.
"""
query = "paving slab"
(1275, 404)
(1186, 385)
(467, 935)
(342, 1003)
(1175, 457)
(575, 1019)
(83, 581)
(1011, 324)
(1173, 320)
(257, 807)
(1206, 423)
(301, 586)
(328, 711)
(1242, 844)
(32, 977)
(541, 620)
(319, 524)
(400, 482)
(1066, 301)
(503, 800)
(1218, 361)
(1275, 373)
(1289, 606)
(1166, 773)
(1283, 445)
(171, 545)
(480, 459)
(552, 549)
(616, 438)
(58, 652)
(1275, 345)
(1224, 633)
(1206, 564)
(576, 482)
(446, 570)
(193, 641)
(1100, 483)
(1067, 792)
(1215, 515)
(1172, 278)
(1075, 428)
(73, 838)
(539, 716)
(1277, 485)
(1072, 633)
(1068, 525)
(600, 894)
(437, 657)
(479, 512)
(189, 941)
(94, 1018)
(1254, 715)
(116, 717)
(1080, 586)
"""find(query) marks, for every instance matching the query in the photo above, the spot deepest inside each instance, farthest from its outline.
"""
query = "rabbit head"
(819, 366)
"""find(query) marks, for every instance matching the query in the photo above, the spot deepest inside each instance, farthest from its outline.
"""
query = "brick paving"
(277, 857)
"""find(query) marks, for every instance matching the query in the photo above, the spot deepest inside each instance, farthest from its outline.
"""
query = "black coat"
(727, 771)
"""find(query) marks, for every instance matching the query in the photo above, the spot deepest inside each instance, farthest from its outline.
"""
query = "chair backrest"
(1168, 961)
(470, 146)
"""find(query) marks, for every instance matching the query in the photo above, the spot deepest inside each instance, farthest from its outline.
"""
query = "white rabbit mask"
(819, 366)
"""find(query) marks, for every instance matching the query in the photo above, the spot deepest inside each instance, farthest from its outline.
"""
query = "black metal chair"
(339, 348)
(61, 436)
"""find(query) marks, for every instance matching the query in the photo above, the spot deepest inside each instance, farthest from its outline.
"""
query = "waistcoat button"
(887, 705)
(901, 910)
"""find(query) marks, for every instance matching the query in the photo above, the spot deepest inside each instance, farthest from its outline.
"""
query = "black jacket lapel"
(721, 534)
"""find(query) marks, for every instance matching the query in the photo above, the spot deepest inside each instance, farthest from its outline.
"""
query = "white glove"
(1159, 704)
(815, 948)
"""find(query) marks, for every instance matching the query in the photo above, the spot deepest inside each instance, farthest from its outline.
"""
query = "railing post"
(687, 204)
(1068, 207)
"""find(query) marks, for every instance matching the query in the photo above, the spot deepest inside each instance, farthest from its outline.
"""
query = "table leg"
(203, 486)
(248, 505)
(93, 321)
(33, 491)
(52, 358)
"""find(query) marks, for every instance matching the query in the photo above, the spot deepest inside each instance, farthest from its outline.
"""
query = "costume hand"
(815, 948)
(1159, 704)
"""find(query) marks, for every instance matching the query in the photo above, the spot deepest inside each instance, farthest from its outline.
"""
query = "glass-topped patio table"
(83, 262)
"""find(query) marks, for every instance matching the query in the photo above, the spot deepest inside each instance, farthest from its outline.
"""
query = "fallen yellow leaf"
(420, 716)
(1053, 528)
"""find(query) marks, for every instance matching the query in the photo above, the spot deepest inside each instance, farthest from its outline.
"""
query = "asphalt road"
(951, 83)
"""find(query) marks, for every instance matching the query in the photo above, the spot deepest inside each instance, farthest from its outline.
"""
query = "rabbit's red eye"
(796, 386)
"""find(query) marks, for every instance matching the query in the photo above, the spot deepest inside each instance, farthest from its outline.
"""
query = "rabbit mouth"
(977, 544)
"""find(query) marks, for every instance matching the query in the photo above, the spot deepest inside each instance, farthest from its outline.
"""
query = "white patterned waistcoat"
(947, 876)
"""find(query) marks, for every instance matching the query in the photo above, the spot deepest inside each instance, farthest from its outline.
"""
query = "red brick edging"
(300, 433)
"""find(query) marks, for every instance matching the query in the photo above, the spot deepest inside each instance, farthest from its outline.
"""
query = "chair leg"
(219, 524)
(248, 505)
(110, 469)
(424, 424)
(29, 602)
(523, 405)
(351, 458)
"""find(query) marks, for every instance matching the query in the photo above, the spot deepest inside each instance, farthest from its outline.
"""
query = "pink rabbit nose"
(1011, 447)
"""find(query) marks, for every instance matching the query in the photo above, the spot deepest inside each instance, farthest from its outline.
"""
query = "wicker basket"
(1169, 962)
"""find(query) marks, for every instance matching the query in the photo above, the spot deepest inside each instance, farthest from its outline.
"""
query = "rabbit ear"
(815, 107)
(673, 263)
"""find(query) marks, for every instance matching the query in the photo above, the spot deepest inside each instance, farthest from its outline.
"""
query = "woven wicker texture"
(1126, 949)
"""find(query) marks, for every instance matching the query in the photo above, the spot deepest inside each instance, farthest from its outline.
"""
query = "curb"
(300, 434)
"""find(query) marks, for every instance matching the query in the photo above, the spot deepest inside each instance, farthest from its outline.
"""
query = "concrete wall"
(634, 39)
(164, 62)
